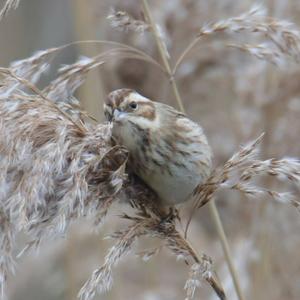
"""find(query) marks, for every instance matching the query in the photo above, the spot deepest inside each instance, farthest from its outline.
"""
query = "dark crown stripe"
(116, 97)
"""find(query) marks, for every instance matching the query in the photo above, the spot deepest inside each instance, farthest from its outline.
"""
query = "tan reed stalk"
(263, 240)
(92, 92)
(163, 55)
(212, 206)
(225, 246)
(69, 265)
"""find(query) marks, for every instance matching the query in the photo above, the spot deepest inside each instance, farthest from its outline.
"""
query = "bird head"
(126, 106)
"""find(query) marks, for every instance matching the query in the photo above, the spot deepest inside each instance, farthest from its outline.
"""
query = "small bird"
(167, 150)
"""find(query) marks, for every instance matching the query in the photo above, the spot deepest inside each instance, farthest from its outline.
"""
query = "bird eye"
(133, 105)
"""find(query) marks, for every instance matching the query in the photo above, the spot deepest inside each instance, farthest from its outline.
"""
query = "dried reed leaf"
(124, 22)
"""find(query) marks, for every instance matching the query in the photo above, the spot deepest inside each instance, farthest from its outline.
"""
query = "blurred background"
(235, 97)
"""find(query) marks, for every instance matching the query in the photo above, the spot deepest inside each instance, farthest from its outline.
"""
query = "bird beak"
(116, 114)
(113, 114)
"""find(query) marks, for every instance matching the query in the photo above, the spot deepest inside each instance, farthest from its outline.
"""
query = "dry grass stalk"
(281, 38)
(69, 79)
(262, 52)
(52, 171)
(9, 4)
(243, 167)
(29, 69)
(150, 222)
(125, 22)
(198, 271)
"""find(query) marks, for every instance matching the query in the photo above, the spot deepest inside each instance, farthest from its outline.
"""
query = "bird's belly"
(173, 189)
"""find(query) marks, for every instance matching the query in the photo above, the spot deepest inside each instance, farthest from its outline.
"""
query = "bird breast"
(172, 161)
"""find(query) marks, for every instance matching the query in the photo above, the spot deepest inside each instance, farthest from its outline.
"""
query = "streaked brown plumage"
(167, 150)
